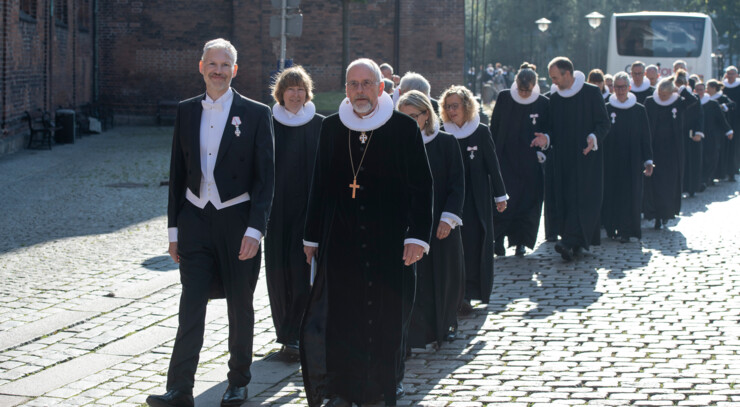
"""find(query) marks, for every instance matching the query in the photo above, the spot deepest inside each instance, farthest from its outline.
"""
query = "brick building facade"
(147, 52)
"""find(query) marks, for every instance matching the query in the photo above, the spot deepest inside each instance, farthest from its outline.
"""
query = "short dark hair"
(595, 76)
(637, 63)
(527, 76)
(562, 63)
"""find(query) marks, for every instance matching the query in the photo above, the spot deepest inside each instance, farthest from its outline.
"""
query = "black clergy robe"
(441, 274)
(351, 335)
(693, 123)
(662, 191)
(716, 129)
(513, 128)
(577, 178)
(286, 271)
(626, 149)
(483, 183)
(551, 233)
(730, 149)
(641, 95)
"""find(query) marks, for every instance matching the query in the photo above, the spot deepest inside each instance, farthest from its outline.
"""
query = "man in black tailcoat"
(221, 188)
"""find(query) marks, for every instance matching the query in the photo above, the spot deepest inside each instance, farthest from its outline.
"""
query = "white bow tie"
(211, 106)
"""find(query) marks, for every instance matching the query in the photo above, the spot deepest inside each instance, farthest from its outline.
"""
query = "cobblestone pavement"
(89, 299)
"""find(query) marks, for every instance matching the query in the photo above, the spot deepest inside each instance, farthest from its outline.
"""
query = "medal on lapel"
(472, 150)
(236, 121)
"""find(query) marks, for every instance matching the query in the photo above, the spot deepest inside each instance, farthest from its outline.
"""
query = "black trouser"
(208, 244)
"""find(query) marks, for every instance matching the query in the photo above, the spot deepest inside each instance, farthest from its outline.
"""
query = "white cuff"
(648, 162)
(253, 233)
(541, 157)
(172, 234)
(423, 244)
(724, 107)
(548, 142)
(596, 141)
(698, 133)
(501, 198)
(310, 244)
(451, 219)
(729, 133)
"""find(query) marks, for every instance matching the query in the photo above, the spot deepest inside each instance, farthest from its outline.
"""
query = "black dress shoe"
(400, 391)
(578, 251)
(498, 247)
(173, 398)
(234, 396)
(291, 349)
(451, 334)
(520, 250)
(337, 401)
(464, 308)
(658, 224)
(565, 252)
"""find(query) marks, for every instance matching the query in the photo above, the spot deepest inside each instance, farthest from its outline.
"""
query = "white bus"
(659, 38)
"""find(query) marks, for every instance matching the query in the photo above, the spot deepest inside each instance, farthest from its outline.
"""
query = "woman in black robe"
(662, 191)
(440, 276)
(728, 106)
(519, 114)
(627, 154)
(483, 187)
(297, 129)
(716, 127)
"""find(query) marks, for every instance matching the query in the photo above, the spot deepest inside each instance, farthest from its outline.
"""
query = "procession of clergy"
(381, 221)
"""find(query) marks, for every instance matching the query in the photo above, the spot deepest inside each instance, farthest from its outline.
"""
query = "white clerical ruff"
(731, 85)
(290, 119)
(671, 99)
(529, 99)
(631, 101)
(704, 99)
(428, 138)
(634, 88)
(578, 80)
(717, 95)
(382, 113)
(466, 130)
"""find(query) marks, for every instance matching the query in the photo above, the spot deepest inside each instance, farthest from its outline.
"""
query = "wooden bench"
(166, 111)
(41, 126)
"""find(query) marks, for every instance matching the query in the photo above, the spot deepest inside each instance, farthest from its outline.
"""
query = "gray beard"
(362, 110)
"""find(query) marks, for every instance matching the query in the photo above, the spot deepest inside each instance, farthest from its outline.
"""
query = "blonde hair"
(420, 101)
(470, 106)
(293, 76)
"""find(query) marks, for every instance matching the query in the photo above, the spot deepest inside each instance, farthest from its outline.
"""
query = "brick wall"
(45, 65)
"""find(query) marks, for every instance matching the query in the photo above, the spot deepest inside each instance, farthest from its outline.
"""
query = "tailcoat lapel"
(237, 109)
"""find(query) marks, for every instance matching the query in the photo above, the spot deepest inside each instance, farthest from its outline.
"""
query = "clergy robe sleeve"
(645, 137)
(263, 172)
(317, 195)
(600, 118)
(455, 187)
(178, 174)
(419, 185)
(721, 121)
(492, 167)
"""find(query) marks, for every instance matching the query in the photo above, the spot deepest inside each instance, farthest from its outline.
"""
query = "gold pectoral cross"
(363, 137)
(354, 185)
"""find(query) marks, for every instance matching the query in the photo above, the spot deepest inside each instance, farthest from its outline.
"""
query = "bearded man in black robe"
(579, 123)
(369, 220)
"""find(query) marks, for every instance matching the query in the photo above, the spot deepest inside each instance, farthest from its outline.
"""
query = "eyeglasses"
(366, 84)
(452, 106)
(621, 86)
(416, 115)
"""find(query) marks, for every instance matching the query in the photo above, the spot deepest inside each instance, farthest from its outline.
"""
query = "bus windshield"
(660, 36)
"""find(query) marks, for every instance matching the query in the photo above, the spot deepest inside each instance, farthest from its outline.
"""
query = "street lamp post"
(594, 20)
(543, 24)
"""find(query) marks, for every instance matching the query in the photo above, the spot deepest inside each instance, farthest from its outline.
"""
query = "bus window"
(660, 36)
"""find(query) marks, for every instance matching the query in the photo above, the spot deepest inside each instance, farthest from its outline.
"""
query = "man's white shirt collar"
(631, 101)
(578, 80)
(529, 99)
(634, 88)
(467, 128)
(656, 98)
(383, 112)
(290, 119)
(224, 99)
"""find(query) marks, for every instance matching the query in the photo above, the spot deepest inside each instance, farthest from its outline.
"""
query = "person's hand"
(249, 248)
(540, 140)
(310, 252)
(649, 170)
(412, 253)
(173, 252)
(590, 146)
(729, 136)
(443, 230)
(501, 206)
(696, 138)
